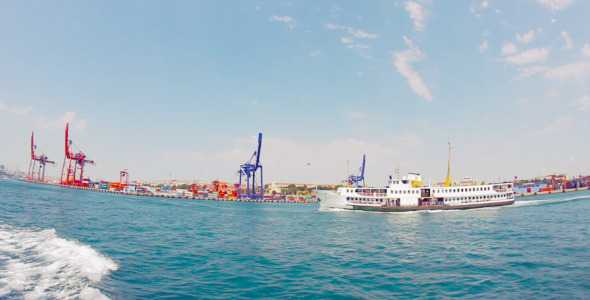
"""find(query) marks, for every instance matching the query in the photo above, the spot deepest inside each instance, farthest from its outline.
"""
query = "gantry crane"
(249, 170)
(355, 180)
(33, 174)
(72, 172)
(123, 174)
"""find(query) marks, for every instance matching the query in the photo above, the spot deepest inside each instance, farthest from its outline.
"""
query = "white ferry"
(408, 194)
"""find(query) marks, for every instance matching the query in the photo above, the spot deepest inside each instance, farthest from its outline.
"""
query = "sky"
(181, 89)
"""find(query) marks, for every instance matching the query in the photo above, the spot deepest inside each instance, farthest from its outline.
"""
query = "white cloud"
(568, 42)
(508, 48)
(586, 50)
(358, 46)
(285, 19)
(334, 26)
(524, 101)
(59, 122)
(483, 47)
(526, 38)
(355, 32)
(361, 34)
(583, 103)
(402, 63)
(315, 53)
(558, 125)
(556, 4)
(529, 56)
(572, 73)
(528, 72)
(2, 105)
(416, 14)
(21, 111)
(474, 8)
(347, 40)
(576, 71)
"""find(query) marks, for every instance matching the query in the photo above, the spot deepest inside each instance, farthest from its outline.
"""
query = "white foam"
(325, 208)
(545, 201)
(39, 264)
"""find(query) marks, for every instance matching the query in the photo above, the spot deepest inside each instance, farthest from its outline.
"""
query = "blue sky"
(181, 89)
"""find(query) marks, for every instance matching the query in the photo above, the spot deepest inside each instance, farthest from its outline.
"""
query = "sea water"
(59, 243)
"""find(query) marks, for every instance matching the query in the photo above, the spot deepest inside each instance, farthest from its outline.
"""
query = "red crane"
(33, 174)
(123, 174)
(75, 162)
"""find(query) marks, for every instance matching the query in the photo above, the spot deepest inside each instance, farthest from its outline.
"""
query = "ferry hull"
(429, 207)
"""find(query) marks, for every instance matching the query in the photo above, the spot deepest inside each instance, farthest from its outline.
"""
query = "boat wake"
(38, 264)
(547, 201)
(324, 208)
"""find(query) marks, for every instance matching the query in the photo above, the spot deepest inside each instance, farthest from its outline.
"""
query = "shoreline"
(271, 200)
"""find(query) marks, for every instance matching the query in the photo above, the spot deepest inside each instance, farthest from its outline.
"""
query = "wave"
(39, 264)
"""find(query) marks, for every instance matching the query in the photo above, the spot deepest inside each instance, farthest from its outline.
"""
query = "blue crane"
(249, 170)
(354, 180)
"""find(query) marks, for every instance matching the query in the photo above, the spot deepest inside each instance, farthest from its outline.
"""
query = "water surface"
(60, 243)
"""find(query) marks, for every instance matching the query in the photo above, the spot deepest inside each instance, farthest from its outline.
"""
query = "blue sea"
(58, 243)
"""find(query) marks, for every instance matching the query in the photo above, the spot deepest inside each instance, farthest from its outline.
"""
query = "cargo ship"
(408, 194)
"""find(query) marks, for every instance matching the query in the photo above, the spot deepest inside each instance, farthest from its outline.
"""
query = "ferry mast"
(448, 181)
